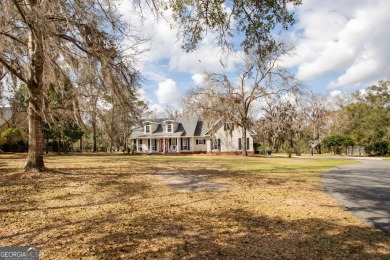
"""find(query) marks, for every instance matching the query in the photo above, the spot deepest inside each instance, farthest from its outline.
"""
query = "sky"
(340, 47)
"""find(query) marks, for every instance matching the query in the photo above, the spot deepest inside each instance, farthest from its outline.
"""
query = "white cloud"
(340, 44)
(198, 78)
(153, 108)
(206, 58)
(364, 70)
(165, 48)
(166, 63)
(167, 92)
(142, 95)
(335, 93)
(348, 39)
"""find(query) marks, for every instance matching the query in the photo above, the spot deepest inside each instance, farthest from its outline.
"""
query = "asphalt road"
(363, 189)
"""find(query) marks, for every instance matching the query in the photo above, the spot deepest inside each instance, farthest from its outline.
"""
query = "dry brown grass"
(112, 206)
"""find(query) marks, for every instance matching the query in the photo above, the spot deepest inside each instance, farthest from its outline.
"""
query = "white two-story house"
(188, 135)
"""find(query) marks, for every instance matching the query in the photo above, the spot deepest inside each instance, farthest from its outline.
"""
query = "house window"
(169, 128)
(147, 129)
(216, 144)
(228, 126)
(240, 144)
(172, 145)
(185, 144)
(200, 141)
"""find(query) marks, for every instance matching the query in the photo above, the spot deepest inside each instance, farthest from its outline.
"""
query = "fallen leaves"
(112, 206)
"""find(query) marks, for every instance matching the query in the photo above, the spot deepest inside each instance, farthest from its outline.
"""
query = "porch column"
(136, 144)
(164, 145)
(177, 145)
(150, 145)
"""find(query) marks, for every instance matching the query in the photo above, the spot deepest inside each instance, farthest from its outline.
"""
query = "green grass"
(111, 206)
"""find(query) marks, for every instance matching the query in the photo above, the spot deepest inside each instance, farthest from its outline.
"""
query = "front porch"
(162, 145)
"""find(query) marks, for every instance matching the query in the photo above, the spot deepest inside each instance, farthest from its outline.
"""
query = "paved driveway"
(364, 190)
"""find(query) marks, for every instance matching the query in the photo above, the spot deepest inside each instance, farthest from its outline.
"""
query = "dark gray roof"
(136, 132)
(187, 126)
(159, 129)
(201, 128)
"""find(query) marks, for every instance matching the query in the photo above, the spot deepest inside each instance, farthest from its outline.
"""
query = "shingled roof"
(187, 126)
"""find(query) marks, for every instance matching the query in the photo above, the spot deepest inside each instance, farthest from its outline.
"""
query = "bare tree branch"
(13, 70)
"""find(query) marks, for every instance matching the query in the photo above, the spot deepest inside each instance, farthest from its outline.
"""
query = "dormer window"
(169, 127)
(228, 126)
(147, 128)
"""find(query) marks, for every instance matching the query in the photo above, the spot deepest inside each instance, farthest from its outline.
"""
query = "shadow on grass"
(22, 189)
(246, 178)
(242, 235)
(112, 213)
(222, 234)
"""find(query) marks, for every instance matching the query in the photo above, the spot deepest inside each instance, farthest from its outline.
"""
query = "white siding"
(229, 143)
(199, 147)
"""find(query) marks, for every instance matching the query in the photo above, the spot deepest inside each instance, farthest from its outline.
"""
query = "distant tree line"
(333, 123)
(284, 122)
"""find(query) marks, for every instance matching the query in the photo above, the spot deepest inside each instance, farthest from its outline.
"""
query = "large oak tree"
(51, 42)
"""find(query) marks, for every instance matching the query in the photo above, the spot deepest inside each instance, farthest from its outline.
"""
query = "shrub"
(380, 148)
(337, 142)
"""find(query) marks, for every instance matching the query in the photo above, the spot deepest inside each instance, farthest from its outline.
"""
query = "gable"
(220, 126)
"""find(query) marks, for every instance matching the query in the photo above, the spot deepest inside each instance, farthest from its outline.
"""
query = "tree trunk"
(317, 137)
(81, 144)
(125, 141)
(59, 143)
(244, 150)
(47, 145)
(35, 141)
(94, 134)
(35, 89)
(291, 148)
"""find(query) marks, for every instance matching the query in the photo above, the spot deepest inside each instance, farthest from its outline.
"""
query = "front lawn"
(112, 206)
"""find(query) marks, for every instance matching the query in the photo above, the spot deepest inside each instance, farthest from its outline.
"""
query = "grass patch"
(112, 206)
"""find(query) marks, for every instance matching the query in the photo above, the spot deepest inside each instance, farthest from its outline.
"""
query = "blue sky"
(341, 46)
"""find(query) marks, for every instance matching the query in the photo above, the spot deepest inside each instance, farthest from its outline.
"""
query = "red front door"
(163, 147)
